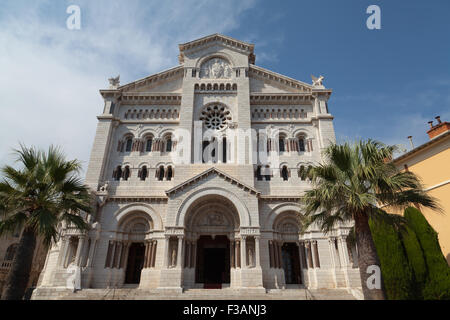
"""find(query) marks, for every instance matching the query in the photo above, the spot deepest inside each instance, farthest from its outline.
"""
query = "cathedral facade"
(197, 173)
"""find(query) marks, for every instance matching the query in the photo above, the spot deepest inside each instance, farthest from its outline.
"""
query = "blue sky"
(387, 83)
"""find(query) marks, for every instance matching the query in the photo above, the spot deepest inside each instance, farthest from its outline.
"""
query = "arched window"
(281, 144)
(143, 173)
(117, 174)
(10, 252)
(148, 144)
(301, 143)
(126, 173)
(302, 172)
(161, 173)
(224, 150)
(285, 173)
(129, 144)
(169, 173)
(169, 144)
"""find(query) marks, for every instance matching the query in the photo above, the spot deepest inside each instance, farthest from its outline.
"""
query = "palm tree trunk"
(19, 274)
(367, 256)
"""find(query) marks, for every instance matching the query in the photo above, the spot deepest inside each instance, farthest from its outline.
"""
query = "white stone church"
(198, 172)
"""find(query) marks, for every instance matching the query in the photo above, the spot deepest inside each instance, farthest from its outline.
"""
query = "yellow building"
(431, 162)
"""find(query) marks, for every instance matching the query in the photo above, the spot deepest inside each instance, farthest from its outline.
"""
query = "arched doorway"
(135, 229)
(135, 263)
(286, 229)
(211, 225)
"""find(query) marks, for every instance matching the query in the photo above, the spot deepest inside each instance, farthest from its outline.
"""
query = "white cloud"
(50, 75)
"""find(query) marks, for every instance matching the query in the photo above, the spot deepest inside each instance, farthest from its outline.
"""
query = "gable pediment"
(215, 172)
(214, 43)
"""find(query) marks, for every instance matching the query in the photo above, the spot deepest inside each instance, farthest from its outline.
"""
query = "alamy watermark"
(73, 22)
(374, 20)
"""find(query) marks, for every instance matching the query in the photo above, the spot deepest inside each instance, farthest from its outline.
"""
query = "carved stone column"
(153, 253)
(309, 255)
(179, 252)
(147, 249)
(237, 253)
(280, 256)
(187, 253)
(166, 252)
(257, 255)
(271, 257)
(275, 254)
(301, 254)
(315, 254)
(194, 254)
(124, 255)
(344, 250)
(63, 251)
(91, 252)
(244, 252)
(119, 253)
(232, 254)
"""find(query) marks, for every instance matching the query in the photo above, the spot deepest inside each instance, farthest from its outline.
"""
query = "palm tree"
(353, 184)
(43, 192)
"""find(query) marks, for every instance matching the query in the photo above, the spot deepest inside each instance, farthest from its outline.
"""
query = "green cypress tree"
(415, 258)
(397, 273)
(438, 285)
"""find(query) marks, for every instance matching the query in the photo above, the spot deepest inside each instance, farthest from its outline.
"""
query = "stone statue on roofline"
(317, 82)
(114, 82)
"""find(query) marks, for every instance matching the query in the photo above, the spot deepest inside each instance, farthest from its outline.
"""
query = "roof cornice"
(276, 77)
(157, 77)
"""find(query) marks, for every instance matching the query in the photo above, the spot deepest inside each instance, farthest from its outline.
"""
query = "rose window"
(215, 117)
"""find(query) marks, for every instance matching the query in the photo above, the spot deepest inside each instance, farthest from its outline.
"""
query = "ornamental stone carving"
(215, 68)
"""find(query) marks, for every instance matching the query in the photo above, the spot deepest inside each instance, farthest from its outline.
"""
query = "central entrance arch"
(212, 223)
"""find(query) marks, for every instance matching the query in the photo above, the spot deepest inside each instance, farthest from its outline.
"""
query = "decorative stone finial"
(114, 82)
(317, 82)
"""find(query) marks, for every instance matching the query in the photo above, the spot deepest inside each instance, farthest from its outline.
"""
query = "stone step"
(193, 294)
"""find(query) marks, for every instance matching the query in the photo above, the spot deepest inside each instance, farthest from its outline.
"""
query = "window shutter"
(139, 173)
(114, 173)
(311, 145)
(157, 172)
(289, 172)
